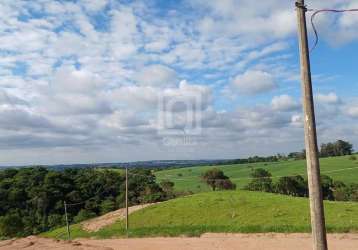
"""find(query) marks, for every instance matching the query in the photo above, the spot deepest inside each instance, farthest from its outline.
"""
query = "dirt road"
(206, 242)
(97, 223)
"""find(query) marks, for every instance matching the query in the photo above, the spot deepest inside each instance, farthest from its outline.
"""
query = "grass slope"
(188, 179)
(226, 211)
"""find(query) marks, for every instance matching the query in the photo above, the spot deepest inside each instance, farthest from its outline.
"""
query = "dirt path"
(97, 223)
(206, 242)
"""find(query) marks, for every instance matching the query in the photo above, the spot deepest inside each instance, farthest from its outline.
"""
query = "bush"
(327, 187)
(352, 157)
(261, 181)
(341, 192)
(225, 185)
(107, 205)
(55, 220)
(216, 179)
(84, 215)
(11, 225)
(294, 186)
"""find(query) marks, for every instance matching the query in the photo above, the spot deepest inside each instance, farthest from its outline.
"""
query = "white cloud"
(73, 80)
(330, 98)
(94, 5)
(297, 120)
(284, 103)
(157, 76)
(352, 111)
(254, 82)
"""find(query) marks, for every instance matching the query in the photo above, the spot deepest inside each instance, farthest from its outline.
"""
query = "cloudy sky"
(110, 80)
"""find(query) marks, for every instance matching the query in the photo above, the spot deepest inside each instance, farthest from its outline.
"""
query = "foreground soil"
(205, 242)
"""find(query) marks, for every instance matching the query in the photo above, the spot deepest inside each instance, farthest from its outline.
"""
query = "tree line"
(330, 149)
(32, 199)
(298, 186)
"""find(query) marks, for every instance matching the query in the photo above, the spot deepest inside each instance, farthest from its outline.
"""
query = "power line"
(318, 11)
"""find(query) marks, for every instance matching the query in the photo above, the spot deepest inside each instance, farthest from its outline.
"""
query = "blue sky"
(110, 80)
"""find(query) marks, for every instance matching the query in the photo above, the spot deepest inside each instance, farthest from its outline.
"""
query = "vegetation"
(31, 199)
(261, 180)
(226, 211)
(340, 168)
(337, 148)
(216, 179)
(297, 186)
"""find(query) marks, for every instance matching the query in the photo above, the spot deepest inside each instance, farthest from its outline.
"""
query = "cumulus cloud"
(284, 103)
(297, 121)
(330, 98)
(254, 82)
(90, 76)
(352, 111)
(157, 76)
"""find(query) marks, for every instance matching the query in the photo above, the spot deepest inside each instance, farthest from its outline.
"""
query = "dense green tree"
(216, 179)
(337, 148)
(292, 185)
(84, 214)
(261, 180)
(11, 225)
(32, 199)
(327, 187)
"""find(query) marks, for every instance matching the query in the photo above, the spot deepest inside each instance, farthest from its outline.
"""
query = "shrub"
(292, 185)
(107, 205)
(84, 215)
(352, 157)
(11, 225)
(216, 179)
(261, 181)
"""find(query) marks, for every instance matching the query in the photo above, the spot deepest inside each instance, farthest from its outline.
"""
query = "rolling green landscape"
(225, 211)
(189, 179)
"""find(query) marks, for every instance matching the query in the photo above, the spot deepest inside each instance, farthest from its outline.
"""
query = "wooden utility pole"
(67, 224)
(313, 169)
(127, 200)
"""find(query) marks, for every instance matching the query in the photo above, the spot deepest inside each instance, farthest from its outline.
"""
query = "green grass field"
(188, 179)
(225, 211)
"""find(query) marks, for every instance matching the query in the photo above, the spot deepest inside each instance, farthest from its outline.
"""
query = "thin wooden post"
(313, 168)
(67, 224)
(127, 200)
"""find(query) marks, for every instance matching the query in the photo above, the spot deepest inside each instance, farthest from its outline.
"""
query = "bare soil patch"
(205, 242)
(95, 224)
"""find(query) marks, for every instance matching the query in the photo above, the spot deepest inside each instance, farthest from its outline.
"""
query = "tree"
(292, 185)
(327, 187)
(31, 199)
(107, 205)
(11, 225)
(340, 191)
(339, 148)
(297, 155)
(83, 214)
(225, 185)
(261, 180)
(168, 188)
(216, 179)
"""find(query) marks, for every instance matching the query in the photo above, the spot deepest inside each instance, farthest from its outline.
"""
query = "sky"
(91, 81)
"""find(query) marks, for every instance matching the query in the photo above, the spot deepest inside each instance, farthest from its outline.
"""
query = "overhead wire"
(318, 11)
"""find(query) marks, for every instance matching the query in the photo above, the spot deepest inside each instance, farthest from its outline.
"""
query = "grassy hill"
(226, 211)
(188, 179)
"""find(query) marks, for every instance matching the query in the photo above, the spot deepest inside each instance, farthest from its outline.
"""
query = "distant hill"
(139, 164)
(341, 168)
